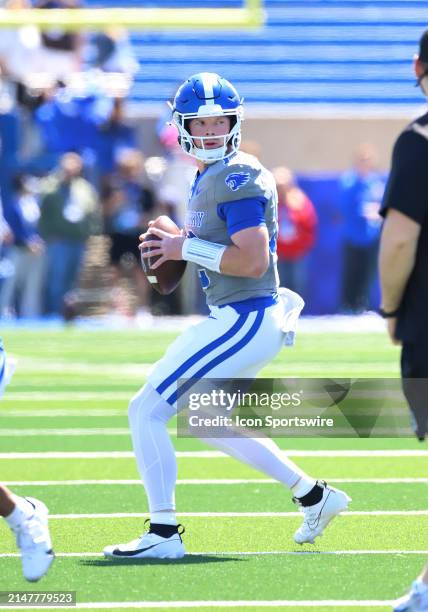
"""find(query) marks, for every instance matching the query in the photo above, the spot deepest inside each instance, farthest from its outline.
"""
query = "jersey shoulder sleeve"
(242, 178)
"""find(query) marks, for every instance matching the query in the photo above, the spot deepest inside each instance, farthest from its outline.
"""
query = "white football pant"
(225, 345)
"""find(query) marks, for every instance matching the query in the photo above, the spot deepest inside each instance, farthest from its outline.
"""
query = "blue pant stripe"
(2, 362)
(220, 358)
(202, 353)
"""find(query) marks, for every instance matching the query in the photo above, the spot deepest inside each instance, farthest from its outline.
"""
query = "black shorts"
(124, 245)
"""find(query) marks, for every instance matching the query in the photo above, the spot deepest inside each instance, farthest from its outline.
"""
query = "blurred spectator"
(60, 50)
(34, 60)
(177, 176)
(6, 238)
(174, 174)
(111, 51)
(10, 44)
(68, 218)
(362, 190)
(69, 120)
(128, 205)
(297, 223)
(89, 122)
(21, 293)
(114, 135)
(5, 232)
(19, 47)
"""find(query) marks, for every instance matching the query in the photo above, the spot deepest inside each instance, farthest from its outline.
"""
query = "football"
(167, 277)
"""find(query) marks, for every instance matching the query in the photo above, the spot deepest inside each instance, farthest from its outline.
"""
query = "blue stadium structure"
(324, 53)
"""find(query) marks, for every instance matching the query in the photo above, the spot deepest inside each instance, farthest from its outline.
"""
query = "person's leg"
(11, 284)
(7, 368)
(351, 278)
(256, 341)
(155, 455)
(414, 372)
(143, 289)
(416, 600)
(28, 519)
(57, 265)
(260, 341)
(366, 273)
(121, 303)
(223, 346)
(76, 253)
(252, 341)
(32, 287)
(7, 502)
(149, 414)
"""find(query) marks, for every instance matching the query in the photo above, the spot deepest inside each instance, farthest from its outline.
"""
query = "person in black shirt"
(403, 265)
(403, 260)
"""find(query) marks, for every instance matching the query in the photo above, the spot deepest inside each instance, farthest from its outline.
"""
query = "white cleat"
(34, 541)
(149, 546)
(416, 600)
(318, 516)
(6, 373)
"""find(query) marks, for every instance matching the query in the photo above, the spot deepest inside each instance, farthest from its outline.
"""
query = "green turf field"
(68, 403)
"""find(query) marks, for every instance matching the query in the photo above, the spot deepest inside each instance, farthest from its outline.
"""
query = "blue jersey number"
(204, 278)
(272, 242)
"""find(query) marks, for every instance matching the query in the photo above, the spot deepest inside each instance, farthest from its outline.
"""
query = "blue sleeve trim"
(242, 214)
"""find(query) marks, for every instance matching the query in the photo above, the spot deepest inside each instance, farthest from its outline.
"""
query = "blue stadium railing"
(326, 52)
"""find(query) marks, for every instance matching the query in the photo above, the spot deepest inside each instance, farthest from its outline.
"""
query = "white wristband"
(204, 253)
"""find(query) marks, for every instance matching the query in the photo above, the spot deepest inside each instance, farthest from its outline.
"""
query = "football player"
(416, 600)
(27, 517)
(230, 234)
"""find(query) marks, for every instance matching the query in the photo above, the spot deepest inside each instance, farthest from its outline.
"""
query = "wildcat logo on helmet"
(236, 180)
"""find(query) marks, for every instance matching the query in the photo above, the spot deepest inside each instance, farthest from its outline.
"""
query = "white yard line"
(63, 412)
(101, 412)
(114, 515)
(72, 431)
(213, 454)
(69, 431)
(296, 604)
(208, 481)
(251, 553)
(95, 431)
(32, 366)
(66, 396)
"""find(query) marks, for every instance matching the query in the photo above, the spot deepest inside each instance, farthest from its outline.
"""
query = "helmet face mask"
(207, 95)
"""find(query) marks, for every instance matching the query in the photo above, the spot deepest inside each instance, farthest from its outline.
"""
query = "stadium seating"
(333, 53)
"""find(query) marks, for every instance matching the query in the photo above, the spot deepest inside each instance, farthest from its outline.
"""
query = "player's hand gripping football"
(167, 247)
(161, 255)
